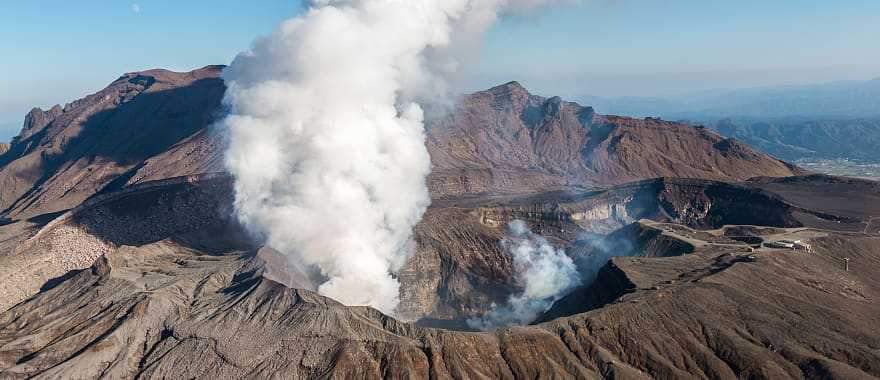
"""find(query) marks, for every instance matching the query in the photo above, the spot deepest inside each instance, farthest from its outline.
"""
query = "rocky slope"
(157, 124)
(66, 154)
(508, 140)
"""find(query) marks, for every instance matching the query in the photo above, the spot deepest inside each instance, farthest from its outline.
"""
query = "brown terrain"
(157, 124)
(507, 140)
(120, 257)
(66, 154)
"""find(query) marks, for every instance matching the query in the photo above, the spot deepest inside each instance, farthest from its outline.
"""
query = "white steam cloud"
(326, 131)
(547, 274)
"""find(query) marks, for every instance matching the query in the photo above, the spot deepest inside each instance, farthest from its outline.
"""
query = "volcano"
(121, 256)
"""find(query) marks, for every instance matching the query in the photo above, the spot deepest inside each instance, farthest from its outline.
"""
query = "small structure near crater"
(795, 245)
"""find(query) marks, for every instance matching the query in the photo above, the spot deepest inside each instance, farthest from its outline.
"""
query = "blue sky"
(656, 47)
(54, 51)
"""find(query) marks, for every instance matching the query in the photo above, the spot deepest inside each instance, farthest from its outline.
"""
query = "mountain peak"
(169, 77)
(512, 87)
(161, 71)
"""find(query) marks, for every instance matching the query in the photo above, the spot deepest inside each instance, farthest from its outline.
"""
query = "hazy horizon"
(10, 128)
(625, 48)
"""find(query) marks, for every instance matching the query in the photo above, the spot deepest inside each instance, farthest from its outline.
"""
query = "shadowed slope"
(65, 155)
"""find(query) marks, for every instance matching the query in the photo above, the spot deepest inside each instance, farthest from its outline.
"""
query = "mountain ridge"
(500, 140)
(505, 130)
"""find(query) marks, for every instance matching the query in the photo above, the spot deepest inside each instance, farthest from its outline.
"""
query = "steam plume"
(595, 252)
(547, 273)
(326, 131)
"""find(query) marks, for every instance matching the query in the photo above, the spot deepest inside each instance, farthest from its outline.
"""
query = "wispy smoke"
(547, 274)
(326, 132)
(593, 252)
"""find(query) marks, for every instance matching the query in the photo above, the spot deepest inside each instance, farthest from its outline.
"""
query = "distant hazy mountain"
(822, 121)
(848, 99)
(796, 138)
